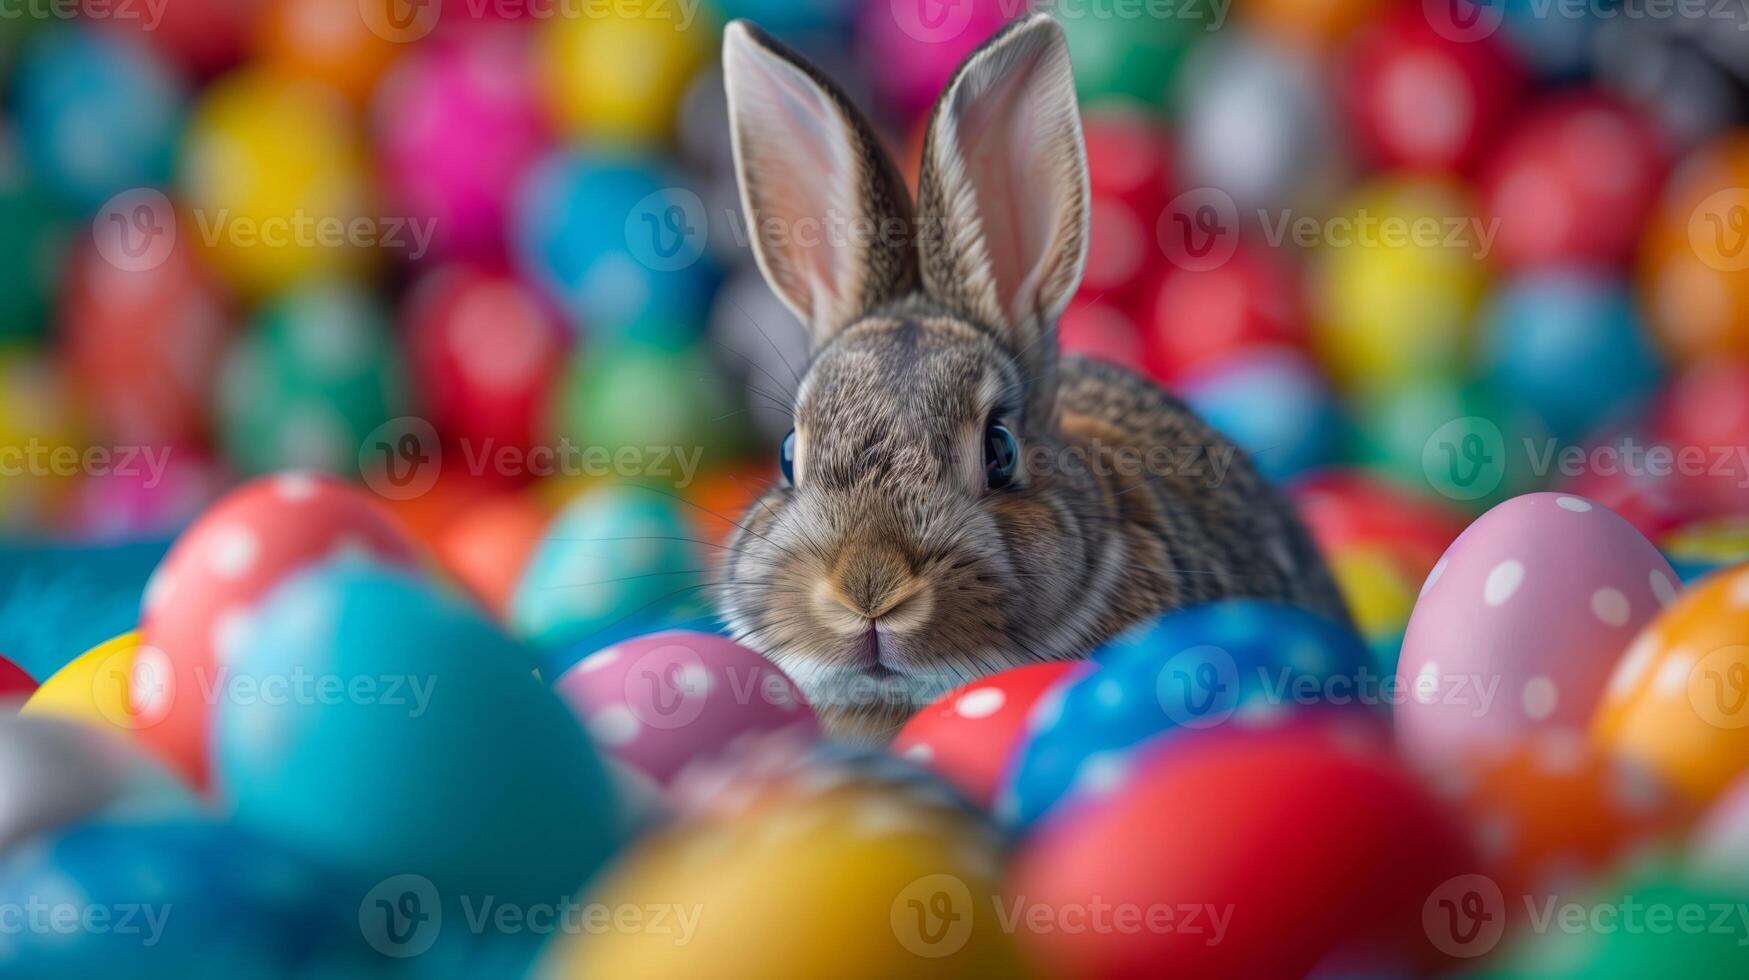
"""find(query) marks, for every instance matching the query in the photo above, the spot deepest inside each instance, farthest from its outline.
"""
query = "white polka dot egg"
(1521, 621)
(661, 701)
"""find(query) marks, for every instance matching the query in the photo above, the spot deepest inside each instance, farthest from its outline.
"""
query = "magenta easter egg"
(1521, 621)
(661, 701)
(456, 124)
(911, 48)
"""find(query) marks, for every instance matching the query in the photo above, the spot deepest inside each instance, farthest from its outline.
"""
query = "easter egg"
(202, 35)
(786, 17)
(1274, 402)
(273, 173)
(483, 352)
(39, 428)
(661, 701)
(1695, 267)
(618, 242)
(142, 343)
(1379, 590)
(1099, 330)
(1702, 547)
(329, 42)
(656, 411)
(1257, 125)
(201, 597)
(98, 113)
(96, 688)
(1318, 25)
(896, 888)
(487, 545)
(1552, 202)
(969, 734)
(152, 495)
(1551, 815)
(1704, 412)
(912, 51)
(1198, 316)
(33, 239)
(456, 124)
(1347, 508)
(1568, 344)
(309, 382)
(617, 76)
(1679, 699)
(614, 560)
(1127, 168)
(396, 704)
(1131, 60)
(55, 773)
(159, 901)
(1243, 661)
(1520, 623)
(1397, 275)
(1462, 443)
(1419, 98)
(1258, 820)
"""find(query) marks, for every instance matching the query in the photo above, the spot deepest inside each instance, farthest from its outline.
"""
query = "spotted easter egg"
(1552, 814)
(1520, 622)
(970, 733)
(1679, 699)
(1245, 662)
(1245, 853)
(198, 602)
(661, 701)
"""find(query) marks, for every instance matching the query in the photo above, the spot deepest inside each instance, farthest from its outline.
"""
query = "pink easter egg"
(661, 701)
(912, 47)
(456, 124)
(1520, 623)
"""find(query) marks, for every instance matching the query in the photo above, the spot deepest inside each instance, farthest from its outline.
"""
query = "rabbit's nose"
(873, 587)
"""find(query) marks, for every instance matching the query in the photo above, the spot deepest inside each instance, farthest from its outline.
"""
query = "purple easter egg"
(661, 701)
(456, 125)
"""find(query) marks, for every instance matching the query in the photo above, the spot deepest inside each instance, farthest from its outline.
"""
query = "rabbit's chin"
(867, 705)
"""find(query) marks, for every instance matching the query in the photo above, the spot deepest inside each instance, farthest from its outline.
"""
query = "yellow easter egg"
(1679, 700)
(1397, 272)
(40, 442)
(94, 688)
(274, 180)
(619, 76)
(1379, 594)
(863, 883)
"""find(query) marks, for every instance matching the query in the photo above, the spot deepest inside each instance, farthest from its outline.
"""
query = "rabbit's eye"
(786, 457)
(1001, 455)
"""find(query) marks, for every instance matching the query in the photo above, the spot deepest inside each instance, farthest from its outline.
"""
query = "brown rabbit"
(957, 501)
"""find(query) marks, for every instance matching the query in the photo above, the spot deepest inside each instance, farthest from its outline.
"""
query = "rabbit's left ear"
(1003, 195)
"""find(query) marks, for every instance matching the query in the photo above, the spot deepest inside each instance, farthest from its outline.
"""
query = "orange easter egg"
(487, 546)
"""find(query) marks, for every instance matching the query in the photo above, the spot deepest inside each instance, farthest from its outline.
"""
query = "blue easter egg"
(179, 900)
(786, 17)
(1570, 346)
(386, 728)
(98, 112)
(618, 561)
(1275, 403)
(1556, 46)
(1244, 661)
(619, 243)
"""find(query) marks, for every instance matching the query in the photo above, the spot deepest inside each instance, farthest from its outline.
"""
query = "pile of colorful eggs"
(431, 335)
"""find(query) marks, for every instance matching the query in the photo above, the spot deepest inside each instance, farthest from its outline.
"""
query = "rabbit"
(954, 500)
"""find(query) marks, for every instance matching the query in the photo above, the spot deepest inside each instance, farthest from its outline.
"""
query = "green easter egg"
(1454, 441)
(33, 243)
(1132, 58)
(315, 374)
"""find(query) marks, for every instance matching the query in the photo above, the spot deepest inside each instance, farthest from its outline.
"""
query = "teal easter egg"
(1463, 443)
(618, 561)
(1130, 58)
(388, 730)
(312, 378)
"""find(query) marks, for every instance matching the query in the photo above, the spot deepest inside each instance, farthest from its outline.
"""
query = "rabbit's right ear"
(829, 216)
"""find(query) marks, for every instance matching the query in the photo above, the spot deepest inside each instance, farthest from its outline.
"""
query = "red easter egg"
(484, 353)
(1613, 472)
(15, 684)
(1100, 329)
(143, 345)
(1128, 175)
(1705, 414)
(1274, 851)
(1195, 317)
(205, 35)
(1350, 509)
(969, 733)
(1417, 98)
(1572, 181)
(198, 602)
